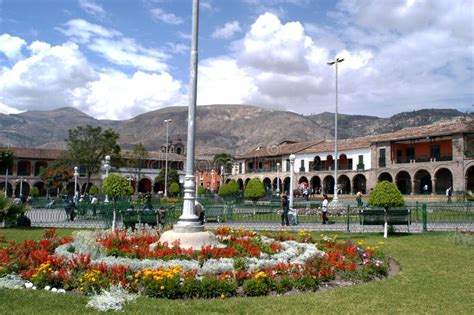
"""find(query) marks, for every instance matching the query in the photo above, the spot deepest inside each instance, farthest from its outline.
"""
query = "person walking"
(286, 208)
(325, 209)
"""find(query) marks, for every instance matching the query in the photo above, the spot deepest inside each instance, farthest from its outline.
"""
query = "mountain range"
(219, 128)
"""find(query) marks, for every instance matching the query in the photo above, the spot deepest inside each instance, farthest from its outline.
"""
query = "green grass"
(436, 277)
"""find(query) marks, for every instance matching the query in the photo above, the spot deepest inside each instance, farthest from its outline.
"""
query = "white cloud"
(114, 47)
(227, 31)
(118, 96)
(222, 81)
(46, 79)
(38, 47)
(93, 8)
(272, 46)
(165, 17)
(83, 32)
(394, 68)
(11, 46)
(58, 76)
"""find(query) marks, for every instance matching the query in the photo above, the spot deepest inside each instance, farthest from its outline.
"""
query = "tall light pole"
(76, 175)
(189, 221)
(292, 172)
(330, 63)
(6, 171)
(167, 122)
(107, 167)
(278, 178)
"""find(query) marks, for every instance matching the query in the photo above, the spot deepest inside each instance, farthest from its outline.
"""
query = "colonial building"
(28, 163)
(434, 157)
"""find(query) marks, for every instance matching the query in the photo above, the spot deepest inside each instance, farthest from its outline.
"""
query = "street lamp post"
(330, 63)
(6, 171)
(107, 167)
(167, 122)
(278, 179)
(76, 175)
(21, 187)
(222, 175)
(292, 171)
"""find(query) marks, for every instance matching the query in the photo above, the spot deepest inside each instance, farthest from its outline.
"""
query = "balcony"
(424, 158)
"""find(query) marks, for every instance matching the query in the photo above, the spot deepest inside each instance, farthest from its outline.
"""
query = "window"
(410, 153)
(302, 166)
(435, 151)
(382, 157)
(240, 168)
(349, 164)
(360, 165)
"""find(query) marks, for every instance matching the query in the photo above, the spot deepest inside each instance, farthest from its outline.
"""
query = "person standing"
(286, 208)
(359, 199)
(449, 194)
(325, 209)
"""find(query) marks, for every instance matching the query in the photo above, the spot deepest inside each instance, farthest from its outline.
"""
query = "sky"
(116, 59)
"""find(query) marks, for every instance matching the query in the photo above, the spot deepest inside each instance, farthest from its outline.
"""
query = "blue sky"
(117, 59)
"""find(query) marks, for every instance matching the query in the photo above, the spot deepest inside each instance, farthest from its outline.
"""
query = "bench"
(377, 216)
(214, 212)
(131, 217)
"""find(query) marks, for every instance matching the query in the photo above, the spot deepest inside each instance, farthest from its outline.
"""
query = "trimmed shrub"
(386, 195)
(254, 190)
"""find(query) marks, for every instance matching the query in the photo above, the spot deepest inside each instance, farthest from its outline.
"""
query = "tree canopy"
(88, 146)
(7, 158)
(55, 174)
(222, 159)
(386, 195)
(254, 190)
(173, 177)
(229, 189)
(115, 186)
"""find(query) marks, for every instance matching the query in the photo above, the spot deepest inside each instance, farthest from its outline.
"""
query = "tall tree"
(7, 158)
(88, 146)
(55, 175)
(136, 160)
(173, 177)
(222, 159)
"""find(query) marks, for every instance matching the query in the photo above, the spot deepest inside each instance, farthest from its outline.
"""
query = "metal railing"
(428, 215)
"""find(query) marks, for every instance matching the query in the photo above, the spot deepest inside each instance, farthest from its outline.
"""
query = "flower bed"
(251, 264)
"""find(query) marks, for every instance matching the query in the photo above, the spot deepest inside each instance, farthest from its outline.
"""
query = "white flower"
(47, 288)
(114, 299)
(28, 285)
(54, 290)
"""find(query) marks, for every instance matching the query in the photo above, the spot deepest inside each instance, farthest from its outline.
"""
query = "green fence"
(43, 213)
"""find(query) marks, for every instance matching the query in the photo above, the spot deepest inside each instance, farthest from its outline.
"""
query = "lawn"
(436, 277)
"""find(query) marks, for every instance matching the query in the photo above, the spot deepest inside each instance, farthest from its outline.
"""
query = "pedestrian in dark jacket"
(286, 208)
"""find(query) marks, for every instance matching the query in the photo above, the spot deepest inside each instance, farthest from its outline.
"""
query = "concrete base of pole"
(188, 239)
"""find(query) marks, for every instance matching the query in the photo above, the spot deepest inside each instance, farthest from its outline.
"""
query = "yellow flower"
(260, 274)
(222, 296)
(321, 235)
(162, 287)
